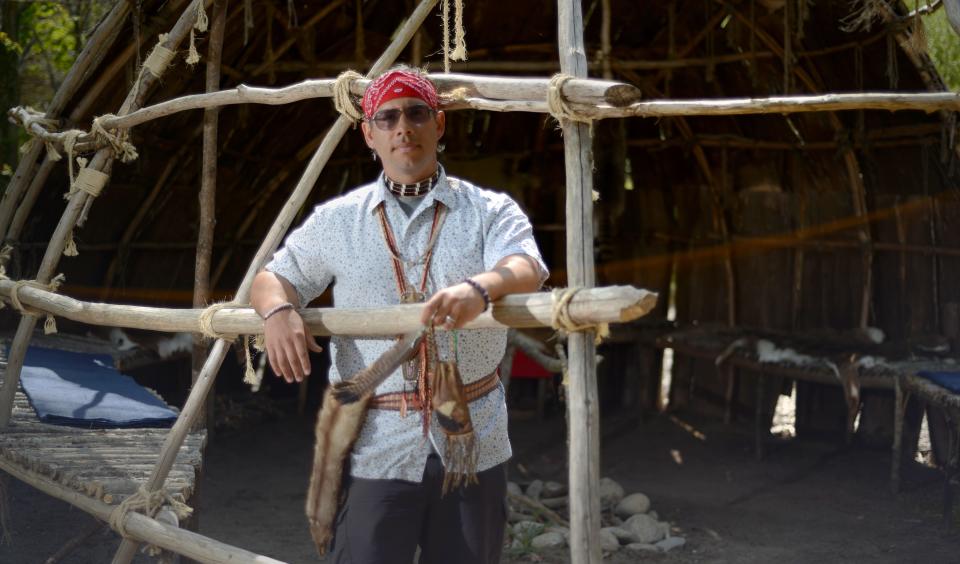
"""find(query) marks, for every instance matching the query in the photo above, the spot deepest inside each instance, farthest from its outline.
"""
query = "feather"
(367, 380)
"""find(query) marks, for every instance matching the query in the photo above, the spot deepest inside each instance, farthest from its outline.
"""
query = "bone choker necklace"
(415, 189)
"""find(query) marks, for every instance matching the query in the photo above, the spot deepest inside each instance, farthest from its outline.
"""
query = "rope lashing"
(119, 142)
(50, 325)
(558, 105)
(69, 142)
(206, 319)
(147, 503)
(159, 59)
(563, 322)
(89, 180)
(342, 98)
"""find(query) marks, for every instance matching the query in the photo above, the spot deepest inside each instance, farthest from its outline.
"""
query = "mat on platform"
(948, 380)
(85, 390)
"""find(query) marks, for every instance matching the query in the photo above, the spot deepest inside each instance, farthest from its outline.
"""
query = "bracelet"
(277, 309)
(481, 290)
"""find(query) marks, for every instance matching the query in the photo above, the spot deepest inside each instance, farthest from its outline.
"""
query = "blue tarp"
(948, 380)
(85, 390)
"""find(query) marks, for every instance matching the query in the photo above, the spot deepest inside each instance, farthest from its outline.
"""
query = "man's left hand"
(453, 307)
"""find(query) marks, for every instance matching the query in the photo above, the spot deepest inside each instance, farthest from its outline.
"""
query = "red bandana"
(398, 84)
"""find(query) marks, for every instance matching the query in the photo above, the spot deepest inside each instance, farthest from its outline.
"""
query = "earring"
(441, 147)
(373, 155)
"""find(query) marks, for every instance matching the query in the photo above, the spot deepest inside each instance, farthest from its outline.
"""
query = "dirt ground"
(805, 502)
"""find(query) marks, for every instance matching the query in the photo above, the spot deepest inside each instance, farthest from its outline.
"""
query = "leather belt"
(473, 391)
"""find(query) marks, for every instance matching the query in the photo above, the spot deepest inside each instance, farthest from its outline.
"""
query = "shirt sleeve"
(510, 233)
(301, 262)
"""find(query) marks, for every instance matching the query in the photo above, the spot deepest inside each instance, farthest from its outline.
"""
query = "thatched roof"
(691, 182)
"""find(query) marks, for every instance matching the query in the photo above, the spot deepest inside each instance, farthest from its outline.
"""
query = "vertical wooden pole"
(270, 243)
(584, 417)
(208, 190)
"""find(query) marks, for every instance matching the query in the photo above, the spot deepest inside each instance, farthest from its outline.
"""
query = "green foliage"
(48, 36)
(944, 48)
(8, 45)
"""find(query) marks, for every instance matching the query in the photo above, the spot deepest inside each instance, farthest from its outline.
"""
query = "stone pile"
(537, 515)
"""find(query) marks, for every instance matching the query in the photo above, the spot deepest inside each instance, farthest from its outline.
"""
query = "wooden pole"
(165, 536)
(582, 404)
(101, 161)
(270, 243)
(611, 304)
(208, 191)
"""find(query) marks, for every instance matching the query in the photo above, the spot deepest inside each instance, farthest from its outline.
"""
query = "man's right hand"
(288, 343)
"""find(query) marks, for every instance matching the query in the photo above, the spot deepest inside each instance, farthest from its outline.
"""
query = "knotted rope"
(119, 142)
(50, 325)
(563, 322)
(459, 52)
(147, 503)
(342, 98)
(200, 24)
(250, 375)
(558, 105)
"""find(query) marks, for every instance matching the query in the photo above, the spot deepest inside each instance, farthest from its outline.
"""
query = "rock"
(527, 529)
(513, 488)
(623, 535)
(517, 544)
(516, 517)
(641, 547)
(535, 489)
(610, 492)
(668, 544)
(561, 530)
(645, 528)
(609, 541)
(633, 504)
(653, 515)
(554, 489)
(550, 540)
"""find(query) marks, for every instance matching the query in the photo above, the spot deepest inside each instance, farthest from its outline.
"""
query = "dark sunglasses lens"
(418, 114)
(387, 119)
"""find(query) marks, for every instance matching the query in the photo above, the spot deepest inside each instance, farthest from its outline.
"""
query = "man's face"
(408, 150)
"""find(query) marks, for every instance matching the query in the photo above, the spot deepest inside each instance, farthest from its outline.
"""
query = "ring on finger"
(449, 320)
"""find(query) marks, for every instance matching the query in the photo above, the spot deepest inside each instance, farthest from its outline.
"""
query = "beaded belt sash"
(473, 391)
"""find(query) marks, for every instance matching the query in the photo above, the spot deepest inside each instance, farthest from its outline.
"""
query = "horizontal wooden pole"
(594, 99)
(612, 304)
(141, 527)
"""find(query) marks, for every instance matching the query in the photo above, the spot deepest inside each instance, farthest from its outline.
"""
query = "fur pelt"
(338, 427)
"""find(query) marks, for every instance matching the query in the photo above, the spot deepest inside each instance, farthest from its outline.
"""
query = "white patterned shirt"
(342, 242)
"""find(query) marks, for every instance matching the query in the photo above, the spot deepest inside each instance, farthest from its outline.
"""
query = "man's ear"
(367, 133)
(441, 123)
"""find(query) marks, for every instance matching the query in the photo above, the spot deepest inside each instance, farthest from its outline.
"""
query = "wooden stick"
(584, 451)
(208, 191)
(290, 41)
(143, 528)
(205, 381)
(494, 88)
(540, 508)
(613, 304)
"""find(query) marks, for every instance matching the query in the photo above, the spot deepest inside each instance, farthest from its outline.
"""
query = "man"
(413, 234)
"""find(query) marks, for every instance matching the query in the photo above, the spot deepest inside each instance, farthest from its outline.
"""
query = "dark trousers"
(383, 521)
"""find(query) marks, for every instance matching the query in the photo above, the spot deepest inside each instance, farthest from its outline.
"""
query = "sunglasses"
(386, 120)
